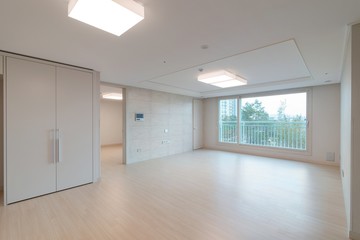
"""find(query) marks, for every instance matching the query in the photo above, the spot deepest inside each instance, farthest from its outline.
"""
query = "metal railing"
(228, 131)
(282, 134)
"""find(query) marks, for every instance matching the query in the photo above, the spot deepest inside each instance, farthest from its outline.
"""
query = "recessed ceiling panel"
(274, 63)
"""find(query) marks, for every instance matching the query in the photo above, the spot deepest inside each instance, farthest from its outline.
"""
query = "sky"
(295, 103)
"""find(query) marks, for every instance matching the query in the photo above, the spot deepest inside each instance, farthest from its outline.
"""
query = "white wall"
(198, 124)
(96, 126)
(147, 140)
(1, 126)
(1, 132)
(345, 151)
(111, 122)
(355, 130)
(325, 128)
(350, 132)
(326, 122)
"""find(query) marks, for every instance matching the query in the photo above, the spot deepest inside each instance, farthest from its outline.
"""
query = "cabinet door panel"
(30, 121)
(74, 121)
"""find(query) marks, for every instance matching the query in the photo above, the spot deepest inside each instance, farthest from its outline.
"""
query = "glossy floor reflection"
(201, 195)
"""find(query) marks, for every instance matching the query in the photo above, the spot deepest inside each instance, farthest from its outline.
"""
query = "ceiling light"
(223, 79)
(113, 96)
(113, 16)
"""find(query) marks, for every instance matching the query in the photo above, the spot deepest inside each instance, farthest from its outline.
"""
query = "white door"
(74, 123)
(30, 124)
(198, 123)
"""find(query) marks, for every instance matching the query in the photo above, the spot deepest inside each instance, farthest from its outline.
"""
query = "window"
(270, 121)
(228, 118)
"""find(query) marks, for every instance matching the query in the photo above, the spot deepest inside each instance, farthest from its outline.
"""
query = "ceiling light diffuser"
(113, 16)
(113, 96)
(223, 79)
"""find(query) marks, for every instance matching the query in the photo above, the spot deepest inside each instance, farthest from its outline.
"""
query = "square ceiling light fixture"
(223, 79)
(112, 96)
(113, 16)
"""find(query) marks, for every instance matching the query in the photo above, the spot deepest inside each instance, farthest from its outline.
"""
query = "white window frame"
(256, 148)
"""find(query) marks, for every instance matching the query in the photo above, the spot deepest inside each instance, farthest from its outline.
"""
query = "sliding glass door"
(276, 120)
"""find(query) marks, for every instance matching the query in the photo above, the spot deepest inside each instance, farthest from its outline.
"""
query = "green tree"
(251, 114)
(291, 130)
(254, 112)
(298, 118)
(231, 118)
(286, 131)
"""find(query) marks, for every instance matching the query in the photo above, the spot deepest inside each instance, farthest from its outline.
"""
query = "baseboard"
(354, 235)
(271, 154)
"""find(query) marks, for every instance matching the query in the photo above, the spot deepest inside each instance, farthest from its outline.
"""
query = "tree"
(281, 111)
(254, 112)
(291, 130)
(251, 114)
(298, 118)
(231, 118)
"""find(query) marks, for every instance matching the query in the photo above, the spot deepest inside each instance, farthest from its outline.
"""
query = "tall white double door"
(48, 128)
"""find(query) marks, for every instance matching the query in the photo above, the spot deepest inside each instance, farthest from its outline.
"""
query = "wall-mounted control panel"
(139, 117)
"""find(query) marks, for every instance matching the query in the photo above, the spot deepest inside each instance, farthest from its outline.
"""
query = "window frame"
(256, 148)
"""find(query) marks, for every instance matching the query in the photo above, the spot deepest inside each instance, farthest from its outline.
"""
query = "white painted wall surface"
(1, 142)
(198, 124)
(325, 128)
(167, 125)
(1, 132)
(345, 147)
(111, 122)
(96, 126)
(355, 116)
(326, 122)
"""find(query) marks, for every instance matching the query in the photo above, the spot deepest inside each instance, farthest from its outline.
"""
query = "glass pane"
(228, 120)
(274, 121)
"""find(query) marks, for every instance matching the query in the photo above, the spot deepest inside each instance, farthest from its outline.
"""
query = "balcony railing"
(289, 134)
(228, 132)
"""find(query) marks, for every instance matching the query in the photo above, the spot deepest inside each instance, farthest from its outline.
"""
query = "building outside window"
(228, 117)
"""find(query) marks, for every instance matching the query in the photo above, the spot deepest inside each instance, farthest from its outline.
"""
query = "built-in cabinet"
(49, 128)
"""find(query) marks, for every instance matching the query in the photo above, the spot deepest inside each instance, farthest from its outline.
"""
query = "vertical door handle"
(53, 145)
(60, 148)
(59, 145)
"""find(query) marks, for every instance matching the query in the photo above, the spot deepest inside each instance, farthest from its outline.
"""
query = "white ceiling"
(274, 44)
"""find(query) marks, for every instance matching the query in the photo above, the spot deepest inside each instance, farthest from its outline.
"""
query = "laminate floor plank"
(200, 195)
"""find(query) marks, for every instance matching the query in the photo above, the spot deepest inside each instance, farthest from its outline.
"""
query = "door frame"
(123, 116)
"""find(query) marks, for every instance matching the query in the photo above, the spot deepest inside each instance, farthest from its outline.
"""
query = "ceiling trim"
(249, 88)
(224, 58)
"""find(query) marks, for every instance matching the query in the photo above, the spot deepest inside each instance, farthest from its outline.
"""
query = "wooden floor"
(203, 195)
